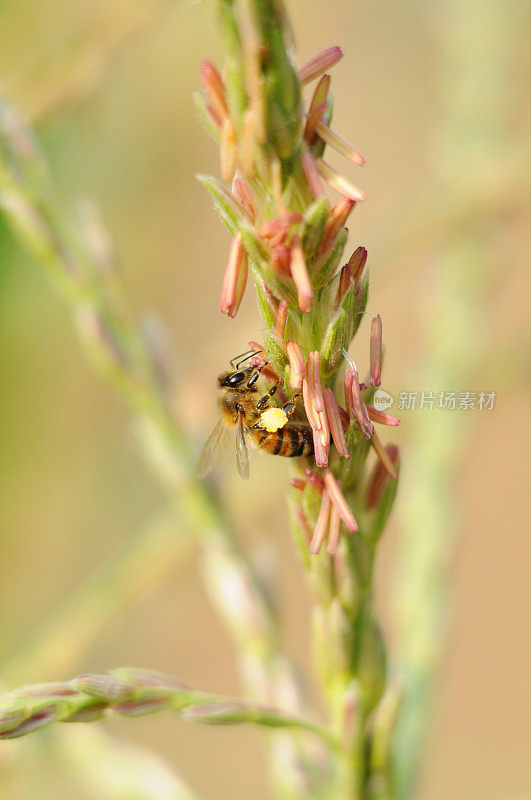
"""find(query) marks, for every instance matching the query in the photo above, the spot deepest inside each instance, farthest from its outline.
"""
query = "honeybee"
(257, 423)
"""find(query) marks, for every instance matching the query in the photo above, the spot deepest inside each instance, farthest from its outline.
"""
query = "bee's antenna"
(237, 361)
(236, 358)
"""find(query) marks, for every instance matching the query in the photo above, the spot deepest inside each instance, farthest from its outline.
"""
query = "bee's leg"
(256, 374)
(289, 407)
(265, 399)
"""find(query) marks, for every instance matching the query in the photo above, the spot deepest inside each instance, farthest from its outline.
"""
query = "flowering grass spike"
(311, 301)
(278, 197)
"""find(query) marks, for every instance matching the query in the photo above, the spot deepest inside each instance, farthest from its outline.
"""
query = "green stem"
(133, 692)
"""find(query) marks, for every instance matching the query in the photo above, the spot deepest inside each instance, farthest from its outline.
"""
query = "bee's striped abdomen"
(293, 440)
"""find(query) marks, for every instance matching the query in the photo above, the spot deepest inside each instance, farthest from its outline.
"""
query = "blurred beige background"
(109, 85)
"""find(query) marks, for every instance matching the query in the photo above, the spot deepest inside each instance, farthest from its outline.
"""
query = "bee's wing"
(210, 449)
(242, 450)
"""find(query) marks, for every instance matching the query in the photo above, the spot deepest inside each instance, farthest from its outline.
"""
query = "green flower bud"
(379, 514)
(104, 687)
(383, 727)
(224, 203)
(282, 88)
(358, 446)
(318, 145)
(201, 108)
(322, 268)
(275, 352)
(342, 327)
(266, 304)
(371, 662)
(12, 717)
(311, 503)
(349, 589)
(362, 295)
(314, 223)
(236, 95)
(330, 627)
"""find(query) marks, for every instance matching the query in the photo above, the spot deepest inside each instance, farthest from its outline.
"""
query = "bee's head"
(234, 379)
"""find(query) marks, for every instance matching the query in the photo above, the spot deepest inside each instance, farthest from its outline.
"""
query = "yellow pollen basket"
(272, 419)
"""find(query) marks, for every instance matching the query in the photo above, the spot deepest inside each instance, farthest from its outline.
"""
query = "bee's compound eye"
(235, 378)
